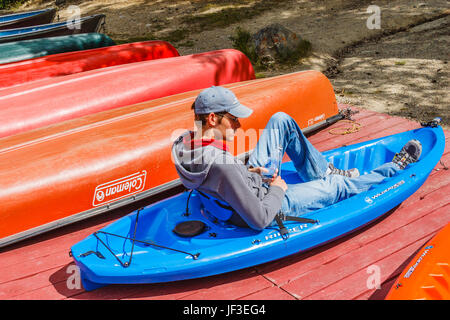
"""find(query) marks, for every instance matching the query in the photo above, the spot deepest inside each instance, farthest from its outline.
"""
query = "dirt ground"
(400, 68)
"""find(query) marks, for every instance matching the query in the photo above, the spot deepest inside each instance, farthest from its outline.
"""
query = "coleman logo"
(120, 188)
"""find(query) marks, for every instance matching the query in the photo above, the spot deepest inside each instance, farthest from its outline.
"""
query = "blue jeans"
(319, 189)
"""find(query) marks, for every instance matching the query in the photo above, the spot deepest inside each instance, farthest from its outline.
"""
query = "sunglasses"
(229, 116)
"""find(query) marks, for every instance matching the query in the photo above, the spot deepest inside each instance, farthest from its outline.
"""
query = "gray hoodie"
(217, 172)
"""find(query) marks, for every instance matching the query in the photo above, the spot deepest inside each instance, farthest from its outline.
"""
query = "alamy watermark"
(374, 20)
(73, 22)
(73, 281)
(374, 280)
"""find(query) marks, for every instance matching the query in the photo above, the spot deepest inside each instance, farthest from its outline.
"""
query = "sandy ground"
(401, 68)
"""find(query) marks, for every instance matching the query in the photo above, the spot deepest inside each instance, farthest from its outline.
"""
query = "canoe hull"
(119, 156)
(27, 19)
(86, 25)
(234, 248)
(67, 63)
(427, 276)
(103, 89)
(31, 49)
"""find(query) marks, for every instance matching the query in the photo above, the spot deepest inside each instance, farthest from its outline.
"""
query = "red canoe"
(41, 103)
(78, 61)
(76, 169)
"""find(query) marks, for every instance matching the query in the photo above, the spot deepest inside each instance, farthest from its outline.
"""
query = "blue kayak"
(25, 19)
(146, 247)
(83, 25)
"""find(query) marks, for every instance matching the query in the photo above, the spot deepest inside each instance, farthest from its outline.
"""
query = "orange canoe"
(66, 63)
(45, 102)
(427, 276)
(79, 168)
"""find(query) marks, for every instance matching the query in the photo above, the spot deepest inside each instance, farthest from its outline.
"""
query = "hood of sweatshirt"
(193, 158)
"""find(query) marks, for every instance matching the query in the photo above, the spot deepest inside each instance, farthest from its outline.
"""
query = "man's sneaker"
(410, 153)
(351, 173)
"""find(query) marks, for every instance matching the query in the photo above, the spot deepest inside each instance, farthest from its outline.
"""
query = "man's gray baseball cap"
(219, 99)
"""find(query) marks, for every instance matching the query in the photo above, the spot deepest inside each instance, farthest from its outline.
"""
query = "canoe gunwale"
(37, 14)
(56, 28)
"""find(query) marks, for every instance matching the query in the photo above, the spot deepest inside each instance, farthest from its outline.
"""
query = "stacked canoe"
(15, 32)
(41, 103)
(72, 62)
(27, 19)
(35, 48)
(18, 30)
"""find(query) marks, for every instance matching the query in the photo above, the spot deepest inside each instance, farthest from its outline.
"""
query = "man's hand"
(274, 181)
(277, 181)
(259, 170)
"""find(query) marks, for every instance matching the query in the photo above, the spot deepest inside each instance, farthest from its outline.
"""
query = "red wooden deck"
(40, 268)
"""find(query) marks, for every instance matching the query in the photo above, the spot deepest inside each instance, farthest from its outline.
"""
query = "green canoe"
(29, 49)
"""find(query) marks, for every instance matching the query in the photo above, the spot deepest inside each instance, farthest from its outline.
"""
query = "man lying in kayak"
(204, 163)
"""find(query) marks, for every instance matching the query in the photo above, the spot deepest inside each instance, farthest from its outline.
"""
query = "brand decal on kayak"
(374, 197)
(276, 234)
(414, 266)
(120, 188)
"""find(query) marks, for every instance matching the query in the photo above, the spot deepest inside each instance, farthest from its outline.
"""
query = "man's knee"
(281, 117)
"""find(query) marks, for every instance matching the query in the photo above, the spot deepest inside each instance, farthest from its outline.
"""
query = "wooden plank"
(404, 215)
(355, 285)
(361, 258)
(49, 243)
(367, 121)
(371, 122)
(230, 285)
(271, 293)
(380, 294)
(49, 284)
(32, 267)
(236, 285)
(14, 288)
(58, 289)
(385, 127)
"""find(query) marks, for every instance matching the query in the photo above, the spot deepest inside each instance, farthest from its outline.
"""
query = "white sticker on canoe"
(414, 266)
(316, 119)
(119, 188)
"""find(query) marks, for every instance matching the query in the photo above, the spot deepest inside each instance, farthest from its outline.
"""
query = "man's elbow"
(259, 225)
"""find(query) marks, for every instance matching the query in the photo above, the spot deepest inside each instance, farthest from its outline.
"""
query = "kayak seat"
(217, 208)
(224, 212)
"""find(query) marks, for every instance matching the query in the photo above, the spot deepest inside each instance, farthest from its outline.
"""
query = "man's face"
(226, 126)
